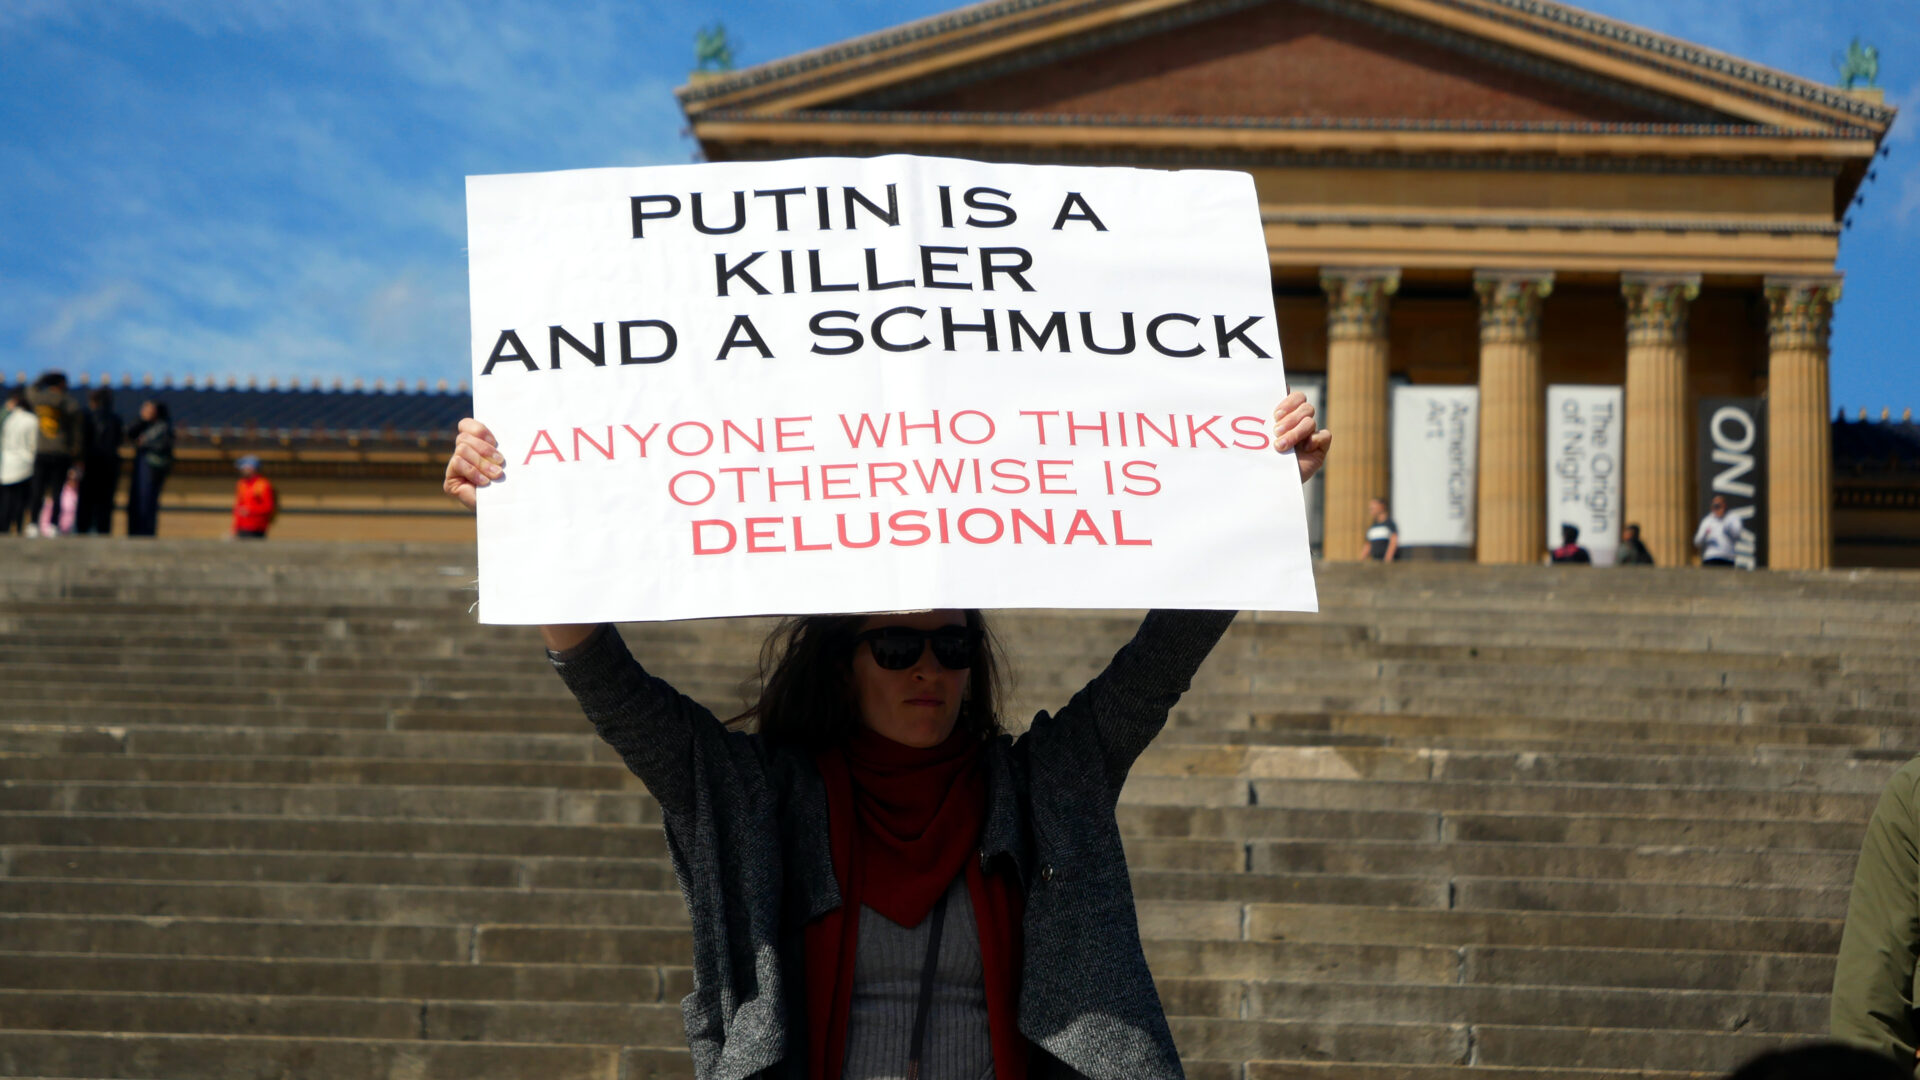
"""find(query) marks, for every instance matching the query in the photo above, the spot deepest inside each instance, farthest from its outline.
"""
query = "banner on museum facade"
(878, 384)
(1315, 490)
(1732, 462)
(1583, 467)
(1436, 437)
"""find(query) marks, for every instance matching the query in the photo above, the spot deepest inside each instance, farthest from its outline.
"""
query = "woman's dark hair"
(159, 409)
(806, 683)
(51, 378)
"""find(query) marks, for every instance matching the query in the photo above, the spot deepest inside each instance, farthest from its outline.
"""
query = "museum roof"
(970, 34)
(1865, 445)
(303, 414)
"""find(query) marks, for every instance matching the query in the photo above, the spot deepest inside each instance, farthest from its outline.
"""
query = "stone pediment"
(1286, 59)
(1472, 63)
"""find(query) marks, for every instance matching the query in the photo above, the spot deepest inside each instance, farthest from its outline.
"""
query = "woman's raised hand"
(1294, 429)
(476, 462)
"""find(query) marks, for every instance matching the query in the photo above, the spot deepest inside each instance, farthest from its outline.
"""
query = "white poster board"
(877, 384)
(1315, 388)
(1436, 441)
(1583, 467)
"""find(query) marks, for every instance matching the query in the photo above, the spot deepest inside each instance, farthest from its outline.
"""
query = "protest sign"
(877, 384)
(1583, 467)
(1435, 450)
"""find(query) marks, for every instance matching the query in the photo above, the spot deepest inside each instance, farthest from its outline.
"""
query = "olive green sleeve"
(1873, 979)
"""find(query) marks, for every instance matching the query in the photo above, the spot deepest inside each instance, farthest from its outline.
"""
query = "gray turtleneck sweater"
(886, 990)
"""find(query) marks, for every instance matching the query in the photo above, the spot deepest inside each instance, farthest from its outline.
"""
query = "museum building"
(1510, 195)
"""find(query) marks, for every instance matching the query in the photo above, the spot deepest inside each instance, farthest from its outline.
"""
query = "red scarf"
(903, 823)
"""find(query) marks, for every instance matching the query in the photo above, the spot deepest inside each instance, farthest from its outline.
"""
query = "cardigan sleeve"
(1873, 976)
(1115, 716)
(723, 832)
(652, 726)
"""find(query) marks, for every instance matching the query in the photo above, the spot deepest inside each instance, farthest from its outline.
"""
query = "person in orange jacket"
(255, 503)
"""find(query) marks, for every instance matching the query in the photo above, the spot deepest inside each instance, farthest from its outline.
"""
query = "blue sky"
(274, 188)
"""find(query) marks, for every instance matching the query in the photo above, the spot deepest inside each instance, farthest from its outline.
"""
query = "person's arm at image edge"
(1873, 975)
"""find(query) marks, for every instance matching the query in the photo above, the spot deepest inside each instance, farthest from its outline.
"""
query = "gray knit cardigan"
(746, 826)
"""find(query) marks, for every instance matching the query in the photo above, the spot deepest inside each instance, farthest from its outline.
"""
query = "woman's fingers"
(482, 457)
(459, 483)
(1312, 454)
(470, 426)
(1293, 421)
(480, 447)
(1294, 430)
(476, 462)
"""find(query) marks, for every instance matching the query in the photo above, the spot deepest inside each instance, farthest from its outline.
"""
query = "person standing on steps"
(255, 503)
(100, 475)
(1632, 551)
(882, 882)
(19, 441)
(152, 438)
(59, 446)
(1570, 550)
(1718, 534)
(1383, 536)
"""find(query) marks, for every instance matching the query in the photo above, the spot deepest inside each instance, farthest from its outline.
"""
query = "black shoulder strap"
(926, 988)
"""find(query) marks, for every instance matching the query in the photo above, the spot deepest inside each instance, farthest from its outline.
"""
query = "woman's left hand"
(1294, 429)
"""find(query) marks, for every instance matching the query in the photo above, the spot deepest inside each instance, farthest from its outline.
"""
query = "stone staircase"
(286, 811)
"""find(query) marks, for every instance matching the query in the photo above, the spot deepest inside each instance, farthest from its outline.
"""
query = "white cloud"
(304, 228)
(87, 309)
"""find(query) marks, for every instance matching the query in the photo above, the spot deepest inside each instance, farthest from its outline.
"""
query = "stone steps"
(326, 851)
(162, 1056)
(287, 810)
(1323, 1070)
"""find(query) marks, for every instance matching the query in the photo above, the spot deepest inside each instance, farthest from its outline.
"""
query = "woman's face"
(918, 705)
(148, 411)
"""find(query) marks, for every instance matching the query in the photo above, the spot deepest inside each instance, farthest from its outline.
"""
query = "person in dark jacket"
(1632, 551)
(1570, 550)
(100, 475)
(59, 447)
(882, 881)
(152, 438)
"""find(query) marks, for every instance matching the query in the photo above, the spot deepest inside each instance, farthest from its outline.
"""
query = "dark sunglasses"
(898, 648)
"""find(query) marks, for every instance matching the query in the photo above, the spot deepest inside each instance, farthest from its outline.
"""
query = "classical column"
(1799, 450)
(1656, 431)
(1356, 404)
(1512, 522)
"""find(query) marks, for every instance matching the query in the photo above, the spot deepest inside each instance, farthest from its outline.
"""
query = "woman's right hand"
(476, 462)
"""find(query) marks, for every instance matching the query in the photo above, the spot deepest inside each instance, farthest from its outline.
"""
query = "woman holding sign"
(883, 882)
